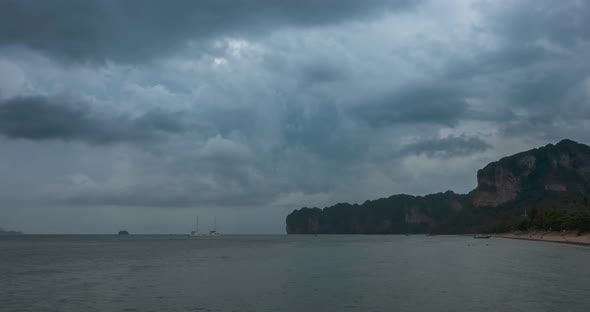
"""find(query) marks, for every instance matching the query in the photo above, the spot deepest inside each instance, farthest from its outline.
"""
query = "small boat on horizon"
(196, 231)
(481, 236)
(214, 231)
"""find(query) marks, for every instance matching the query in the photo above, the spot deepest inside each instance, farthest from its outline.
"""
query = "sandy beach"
(557, 237)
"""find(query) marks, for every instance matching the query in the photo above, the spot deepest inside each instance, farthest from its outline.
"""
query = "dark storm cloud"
(509, 57)
(533, 75)
(136, 30)
(156, 196)
(321, 73)
(447, 147)
(284, 102)
(544, 94)
(312, 131)
(39, 118)
(527, 34)
(564, 23)
(434, 104)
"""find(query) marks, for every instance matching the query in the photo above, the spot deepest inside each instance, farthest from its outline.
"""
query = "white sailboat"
(196, 231)
(214, 231)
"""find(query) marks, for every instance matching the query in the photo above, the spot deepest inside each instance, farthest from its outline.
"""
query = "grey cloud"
(534, 72)
(544, 94)
(416, 104)
(506, 59)
(321, 73)
(447, 147)
(133, 31)
(187, 196)
(306, 109)
(323, 131)
(564, 23)
(40, 118)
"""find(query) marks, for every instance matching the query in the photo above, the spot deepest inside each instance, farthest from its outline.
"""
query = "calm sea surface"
(290, 273)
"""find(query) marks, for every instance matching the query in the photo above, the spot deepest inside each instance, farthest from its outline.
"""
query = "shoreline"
(552, 237)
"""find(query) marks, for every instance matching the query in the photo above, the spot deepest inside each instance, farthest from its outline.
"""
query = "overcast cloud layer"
(144, 114)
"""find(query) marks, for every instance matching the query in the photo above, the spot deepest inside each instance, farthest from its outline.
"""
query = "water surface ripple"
(290, 273)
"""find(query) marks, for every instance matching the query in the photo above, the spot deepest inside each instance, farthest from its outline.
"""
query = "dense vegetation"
(555, 220)
(549, 211)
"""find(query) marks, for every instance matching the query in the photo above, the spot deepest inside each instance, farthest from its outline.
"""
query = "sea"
(290, 273)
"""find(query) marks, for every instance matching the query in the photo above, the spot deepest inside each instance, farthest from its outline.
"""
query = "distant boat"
(4, 232)
(480, 236)
(123, 232)
(214, 231)
(196, 231)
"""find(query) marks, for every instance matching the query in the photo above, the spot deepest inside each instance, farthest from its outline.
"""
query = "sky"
(143, 115)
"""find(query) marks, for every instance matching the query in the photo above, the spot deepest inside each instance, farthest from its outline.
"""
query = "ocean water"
(290, 273)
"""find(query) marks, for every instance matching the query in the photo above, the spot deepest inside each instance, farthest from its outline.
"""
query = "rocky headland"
(544, 188)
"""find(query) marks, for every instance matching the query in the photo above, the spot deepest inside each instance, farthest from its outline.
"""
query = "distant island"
(543, 189)
(5, 232)
(123, 232)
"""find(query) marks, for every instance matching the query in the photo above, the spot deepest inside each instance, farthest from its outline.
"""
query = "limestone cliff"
(561, 168)
(396, 214)
(556, 176)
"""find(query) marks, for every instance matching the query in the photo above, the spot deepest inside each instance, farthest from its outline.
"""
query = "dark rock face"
(394, 215)
(555, 176)
(562, 168)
